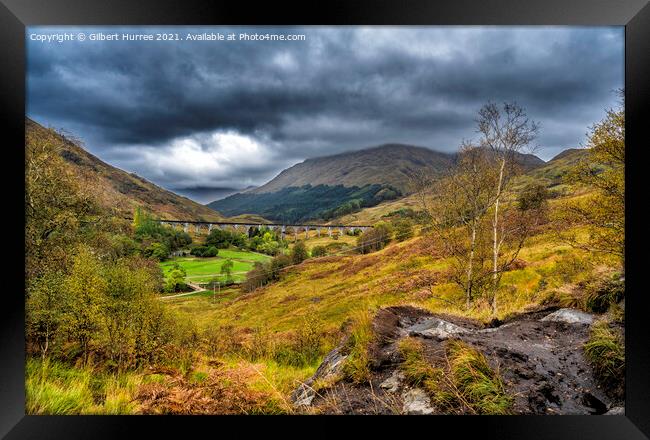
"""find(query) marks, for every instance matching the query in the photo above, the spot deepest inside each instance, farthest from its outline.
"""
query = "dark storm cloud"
(209, 114)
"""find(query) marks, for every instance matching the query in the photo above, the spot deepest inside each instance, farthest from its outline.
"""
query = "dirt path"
(194, 286)
(539, 355)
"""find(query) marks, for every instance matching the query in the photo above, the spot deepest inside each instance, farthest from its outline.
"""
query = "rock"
(416, 401)
(495, 329)
(616, 411)
(436, 328)
(304, 397)
(392, 383)
(569, 316)
(331, 365)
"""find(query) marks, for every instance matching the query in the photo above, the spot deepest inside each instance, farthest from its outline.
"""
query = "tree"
(299, 252)
(403, 229)
(158, 251)
(128, 305)
(256, 277)
(456, 205)
(85, 299)
(45, 310)
(603, 213)
(57, 207)
(226, 270)
(505, 132)
(176, 279)
(375, 238)
(267, 244)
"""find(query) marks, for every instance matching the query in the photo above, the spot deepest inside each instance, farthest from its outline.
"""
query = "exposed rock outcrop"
(538, 355)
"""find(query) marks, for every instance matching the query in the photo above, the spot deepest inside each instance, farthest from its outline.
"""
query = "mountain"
(327, 187)
(120, 191)
(390, 164)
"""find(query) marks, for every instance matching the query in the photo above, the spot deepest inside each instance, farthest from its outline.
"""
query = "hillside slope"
(121, 191)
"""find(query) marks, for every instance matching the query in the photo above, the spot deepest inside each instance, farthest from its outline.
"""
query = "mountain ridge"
(360, 167)
(334, 185)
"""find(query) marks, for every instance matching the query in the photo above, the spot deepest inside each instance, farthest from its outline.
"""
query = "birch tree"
(505, 131)
(456, 205)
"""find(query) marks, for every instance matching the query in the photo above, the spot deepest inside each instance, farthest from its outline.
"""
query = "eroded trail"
(539, 356)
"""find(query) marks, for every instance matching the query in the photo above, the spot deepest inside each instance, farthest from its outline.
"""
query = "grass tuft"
(357, 363)
(479, 386)
(55, 388)
(604, 293)
(416, 369)
(606, 352)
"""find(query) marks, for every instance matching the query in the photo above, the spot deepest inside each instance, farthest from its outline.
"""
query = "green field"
(202, 270)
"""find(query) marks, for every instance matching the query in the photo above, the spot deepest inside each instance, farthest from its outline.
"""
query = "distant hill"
(331, 186)
(390, 164)
(550, 174)
(570, 154)
(120, 191)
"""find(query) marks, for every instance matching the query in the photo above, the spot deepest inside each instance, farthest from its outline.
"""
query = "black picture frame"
(633, 14)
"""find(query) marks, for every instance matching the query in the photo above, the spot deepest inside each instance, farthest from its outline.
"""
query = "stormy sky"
(203, 117)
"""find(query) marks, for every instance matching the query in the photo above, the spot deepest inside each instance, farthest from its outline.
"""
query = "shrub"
(308, 339)
(376, 238)
(299, 253)
(533, 197)
(569, 266)
(211, 251)
(198, 251)
(222, 239)
(303, 348)
(318, 251)
(204, 251)
(403, 229)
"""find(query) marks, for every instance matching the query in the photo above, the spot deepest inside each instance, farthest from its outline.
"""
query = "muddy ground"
(539, 355)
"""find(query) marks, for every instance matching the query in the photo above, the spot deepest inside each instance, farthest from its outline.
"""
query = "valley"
(373, 320)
